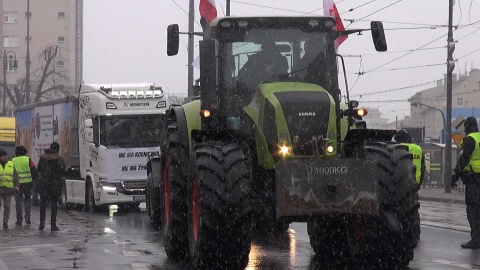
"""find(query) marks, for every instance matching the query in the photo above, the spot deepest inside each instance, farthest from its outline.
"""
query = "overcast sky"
(125, 42)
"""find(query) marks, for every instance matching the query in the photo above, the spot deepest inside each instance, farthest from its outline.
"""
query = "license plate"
(139, 198)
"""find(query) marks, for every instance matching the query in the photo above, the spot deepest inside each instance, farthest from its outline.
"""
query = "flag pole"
(191, 30)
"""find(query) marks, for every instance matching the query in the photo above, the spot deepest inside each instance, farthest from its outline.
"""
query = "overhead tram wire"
(391, 61)
(352, 9)
(375, 12)
(392, 90)
(184, 11)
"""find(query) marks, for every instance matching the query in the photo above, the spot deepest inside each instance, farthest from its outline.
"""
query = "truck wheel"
(153, 204)
(219, 209)
(174, 207)
(90, 205)
(394, 231)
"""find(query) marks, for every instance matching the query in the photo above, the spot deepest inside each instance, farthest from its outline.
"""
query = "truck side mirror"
(378, 36)
(172, 39)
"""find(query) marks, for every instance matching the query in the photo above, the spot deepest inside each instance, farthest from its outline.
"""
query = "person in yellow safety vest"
(468, 170)
(8, 185)
(402, 136)
(27, 174)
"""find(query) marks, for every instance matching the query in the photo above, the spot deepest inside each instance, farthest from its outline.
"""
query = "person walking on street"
(27, 173)
(468, 170)
(51, 168)
(8, 185)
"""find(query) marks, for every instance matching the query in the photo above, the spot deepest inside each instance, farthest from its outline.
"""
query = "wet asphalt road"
(126, 240)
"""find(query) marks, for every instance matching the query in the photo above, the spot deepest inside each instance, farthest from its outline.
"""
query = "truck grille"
(131, 187)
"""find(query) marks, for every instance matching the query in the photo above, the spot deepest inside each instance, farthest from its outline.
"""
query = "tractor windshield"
(274, 55)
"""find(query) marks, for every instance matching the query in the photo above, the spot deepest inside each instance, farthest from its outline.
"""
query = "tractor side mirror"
(378, 36)
(172, 39)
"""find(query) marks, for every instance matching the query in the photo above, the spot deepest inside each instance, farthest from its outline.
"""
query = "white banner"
(129, 163)
(43, 127)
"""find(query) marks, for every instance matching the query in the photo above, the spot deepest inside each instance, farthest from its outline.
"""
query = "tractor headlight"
(330, 149)
(285, 150)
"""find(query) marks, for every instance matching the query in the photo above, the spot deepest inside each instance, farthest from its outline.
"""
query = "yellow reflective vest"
(6, 175)
(417, 159)
(474, 163)
(22, 165)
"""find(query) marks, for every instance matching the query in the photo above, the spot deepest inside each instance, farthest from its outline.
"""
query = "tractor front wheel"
(219, 209)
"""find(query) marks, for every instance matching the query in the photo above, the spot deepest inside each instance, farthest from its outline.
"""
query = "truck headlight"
(107, 185)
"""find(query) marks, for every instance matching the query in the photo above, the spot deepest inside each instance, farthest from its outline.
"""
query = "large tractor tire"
(385, 241)
(393, 236)
(220, 212)
(329, 240)
(174, 190)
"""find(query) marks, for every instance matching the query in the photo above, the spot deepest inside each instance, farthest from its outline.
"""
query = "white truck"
(106, 134)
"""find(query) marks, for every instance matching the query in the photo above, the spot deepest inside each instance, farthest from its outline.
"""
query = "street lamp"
(9, 63)
(446, 172)
(416, 103)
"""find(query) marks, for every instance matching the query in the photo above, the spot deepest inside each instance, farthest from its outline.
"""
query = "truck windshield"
(130, 131)
(276, 55)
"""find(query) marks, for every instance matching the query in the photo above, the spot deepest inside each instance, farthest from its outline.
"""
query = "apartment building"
(49, 23)
(428, 107)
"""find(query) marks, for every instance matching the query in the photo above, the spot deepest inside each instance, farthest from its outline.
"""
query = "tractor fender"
(177, 116)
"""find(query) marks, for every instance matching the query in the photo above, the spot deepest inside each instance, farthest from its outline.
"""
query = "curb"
(442, 200)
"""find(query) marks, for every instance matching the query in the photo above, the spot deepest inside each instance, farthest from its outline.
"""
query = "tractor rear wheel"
(219, 209)
(174, 190)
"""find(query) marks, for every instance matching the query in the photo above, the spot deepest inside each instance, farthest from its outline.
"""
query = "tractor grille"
(307, 115)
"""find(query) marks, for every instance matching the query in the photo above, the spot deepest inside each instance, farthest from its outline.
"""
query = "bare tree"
(48, 79)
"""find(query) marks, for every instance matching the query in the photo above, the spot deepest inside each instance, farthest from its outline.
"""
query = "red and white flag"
(208, 9)
(330, 9)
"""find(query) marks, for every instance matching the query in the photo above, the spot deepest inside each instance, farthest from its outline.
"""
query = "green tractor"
(269, 141)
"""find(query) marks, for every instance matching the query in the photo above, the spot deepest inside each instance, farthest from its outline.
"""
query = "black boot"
(5, 225)
(43, 212)
(53, 220)
(472, 244)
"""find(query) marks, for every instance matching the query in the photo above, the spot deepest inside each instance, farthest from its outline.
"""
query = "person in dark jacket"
(51, 168)
(27, 174)
(8, 185)
(468, 170)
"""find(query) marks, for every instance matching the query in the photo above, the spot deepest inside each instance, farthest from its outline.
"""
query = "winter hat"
(402, 136)
(20, 150)
(55, 147)
(470, 123)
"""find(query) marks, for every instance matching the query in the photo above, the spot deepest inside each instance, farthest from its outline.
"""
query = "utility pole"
(448, 129)
(27, 64)
(228, 7)
(191, 30)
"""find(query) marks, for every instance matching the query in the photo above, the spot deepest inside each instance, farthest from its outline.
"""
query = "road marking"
(446, 226)
(36, 257)
(456, 264)
(3, 266)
